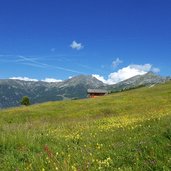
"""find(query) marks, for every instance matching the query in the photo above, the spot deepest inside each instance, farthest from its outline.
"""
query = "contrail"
(33, 61)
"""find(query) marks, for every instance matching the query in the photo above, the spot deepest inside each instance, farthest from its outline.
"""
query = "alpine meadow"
(85, 85)
(123, 131)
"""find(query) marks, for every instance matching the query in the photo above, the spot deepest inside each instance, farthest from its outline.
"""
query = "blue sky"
(112, 39)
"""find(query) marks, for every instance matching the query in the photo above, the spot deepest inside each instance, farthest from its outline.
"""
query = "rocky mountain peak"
(11, 91)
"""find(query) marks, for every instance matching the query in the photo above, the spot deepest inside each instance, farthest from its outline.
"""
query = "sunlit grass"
(123, 131)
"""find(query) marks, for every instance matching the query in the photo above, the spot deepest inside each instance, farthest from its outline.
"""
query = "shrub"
(25, 101)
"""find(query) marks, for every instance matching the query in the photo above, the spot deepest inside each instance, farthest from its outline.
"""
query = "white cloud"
(70, 77)
(145, 67)
(23, 78)
(127, 72)
(101, 78)
(123, 74)
(116, 62)
(51, 80)
(77, 46)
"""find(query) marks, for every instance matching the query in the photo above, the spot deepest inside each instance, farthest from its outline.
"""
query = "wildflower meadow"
(123, 131)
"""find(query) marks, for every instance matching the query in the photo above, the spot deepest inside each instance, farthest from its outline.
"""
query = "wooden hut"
(92, 93)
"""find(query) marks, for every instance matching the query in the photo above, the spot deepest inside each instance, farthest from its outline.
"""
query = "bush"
(25, 101)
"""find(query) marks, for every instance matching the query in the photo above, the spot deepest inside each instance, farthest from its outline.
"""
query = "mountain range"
(149, 79)
(12, 91)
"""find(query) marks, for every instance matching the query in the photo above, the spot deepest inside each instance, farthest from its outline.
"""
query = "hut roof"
(97, 91)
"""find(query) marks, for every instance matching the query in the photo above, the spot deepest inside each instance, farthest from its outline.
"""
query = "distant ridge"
(138, 81)
(11, 91)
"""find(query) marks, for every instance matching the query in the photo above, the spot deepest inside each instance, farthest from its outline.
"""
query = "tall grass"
(123, 131)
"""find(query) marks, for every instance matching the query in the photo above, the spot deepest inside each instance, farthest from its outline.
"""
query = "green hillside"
(123, 131)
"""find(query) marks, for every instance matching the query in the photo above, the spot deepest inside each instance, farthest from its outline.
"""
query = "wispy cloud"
(24, 59)
(23, 78)
(77, 46)
(41, 62)
(116, 62)
(32, 65)
(51, 80)
(35, 63)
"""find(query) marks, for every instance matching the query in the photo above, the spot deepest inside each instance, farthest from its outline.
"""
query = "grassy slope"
(123, 131)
